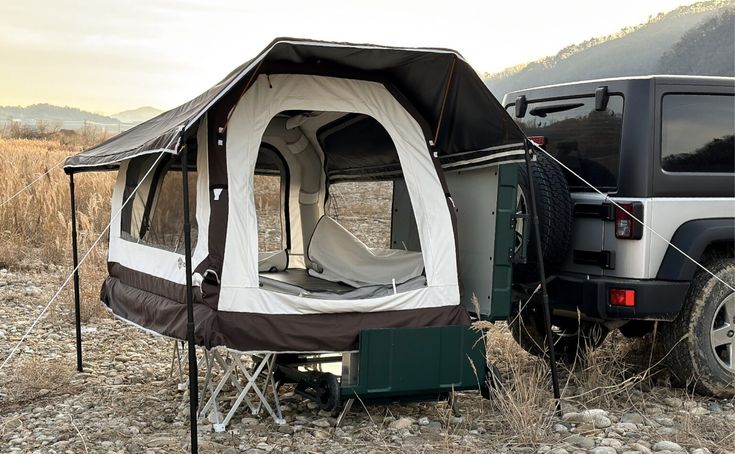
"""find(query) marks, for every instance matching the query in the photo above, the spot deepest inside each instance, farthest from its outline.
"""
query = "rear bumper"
(655, 299)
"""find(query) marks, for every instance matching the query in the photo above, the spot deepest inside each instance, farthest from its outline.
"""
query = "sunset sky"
(108, 56)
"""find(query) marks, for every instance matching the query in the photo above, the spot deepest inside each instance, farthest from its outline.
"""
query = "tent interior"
(327, 190)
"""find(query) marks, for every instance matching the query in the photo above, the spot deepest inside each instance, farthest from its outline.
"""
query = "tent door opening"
(335, 218)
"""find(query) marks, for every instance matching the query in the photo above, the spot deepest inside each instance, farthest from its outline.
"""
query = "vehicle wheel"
(555, 215)
(572, 339)
(701, 340)
(328, 392)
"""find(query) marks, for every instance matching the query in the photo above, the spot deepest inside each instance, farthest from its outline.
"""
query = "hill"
(709, 46)
(138, 115)
(690, 40)
(51, 113)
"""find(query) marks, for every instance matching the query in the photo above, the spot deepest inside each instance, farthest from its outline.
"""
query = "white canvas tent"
(411, 114)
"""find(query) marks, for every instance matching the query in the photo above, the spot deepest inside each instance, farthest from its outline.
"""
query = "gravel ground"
(127, 401)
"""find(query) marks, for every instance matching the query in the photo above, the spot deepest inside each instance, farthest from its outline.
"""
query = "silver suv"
(661, 148)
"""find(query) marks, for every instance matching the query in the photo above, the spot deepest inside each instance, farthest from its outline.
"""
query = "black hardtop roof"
(590, 85)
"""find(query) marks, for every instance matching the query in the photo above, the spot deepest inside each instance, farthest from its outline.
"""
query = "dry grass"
(36, 224)
(33, 380)
(523, 397)
(621, 376)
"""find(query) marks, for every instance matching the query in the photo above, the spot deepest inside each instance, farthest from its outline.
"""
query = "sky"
(111, 55)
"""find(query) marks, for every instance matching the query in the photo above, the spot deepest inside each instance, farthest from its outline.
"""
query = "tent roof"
(457, 108)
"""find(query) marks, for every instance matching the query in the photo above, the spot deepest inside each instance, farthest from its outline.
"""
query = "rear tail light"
(626, 227)
(538, 140)
(622, 297)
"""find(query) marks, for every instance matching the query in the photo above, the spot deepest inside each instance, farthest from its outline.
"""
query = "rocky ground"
(127, 401)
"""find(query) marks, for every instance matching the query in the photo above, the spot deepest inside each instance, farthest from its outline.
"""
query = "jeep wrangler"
(661, 148)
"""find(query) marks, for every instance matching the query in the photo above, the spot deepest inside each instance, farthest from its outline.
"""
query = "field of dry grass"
(35, 226)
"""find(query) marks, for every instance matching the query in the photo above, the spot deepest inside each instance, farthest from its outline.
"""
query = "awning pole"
(75, 260)
(193, 384)
(542, 276)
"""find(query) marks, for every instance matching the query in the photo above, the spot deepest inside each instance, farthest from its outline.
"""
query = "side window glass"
(697, 133)
(154, 216)
(270, 200)
(165, 228)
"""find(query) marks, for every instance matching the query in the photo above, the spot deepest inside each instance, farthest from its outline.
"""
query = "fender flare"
(693, 237)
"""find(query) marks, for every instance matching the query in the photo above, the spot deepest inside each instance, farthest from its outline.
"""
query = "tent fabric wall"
(158, 262)
(245, 331)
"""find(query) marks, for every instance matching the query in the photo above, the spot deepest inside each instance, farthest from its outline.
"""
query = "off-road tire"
(555, 215)
(572, 339)
(690, 357)
(328, 396)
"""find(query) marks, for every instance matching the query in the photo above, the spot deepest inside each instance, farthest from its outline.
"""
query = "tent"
(312, 115)
(425, 110)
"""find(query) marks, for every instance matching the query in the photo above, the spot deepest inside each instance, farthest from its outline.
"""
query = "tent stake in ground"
(75, 260)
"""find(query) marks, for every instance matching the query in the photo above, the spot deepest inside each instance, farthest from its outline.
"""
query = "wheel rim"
(722, 335)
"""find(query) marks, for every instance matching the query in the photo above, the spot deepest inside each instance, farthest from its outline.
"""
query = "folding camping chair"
(176, 365)
(233, 367)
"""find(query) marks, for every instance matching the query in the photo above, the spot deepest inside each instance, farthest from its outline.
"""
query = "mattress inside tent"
(343, 267)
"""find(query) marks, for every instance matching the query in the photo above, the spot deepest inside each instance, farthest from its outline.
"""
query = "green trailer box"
(410, 364)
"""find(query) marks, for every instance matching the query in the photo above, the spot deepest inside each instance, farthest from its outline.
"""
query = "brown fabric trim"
(218, 209)
(249, 331)
(152, 284)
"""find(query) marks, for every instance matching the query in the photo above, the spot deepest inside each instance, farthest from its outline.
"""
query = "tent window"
(269, 192)
(155, 215)
(365, 209)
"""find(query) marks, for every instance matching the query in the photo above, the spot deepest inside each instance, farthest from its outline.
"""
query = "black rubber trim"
(655, 299)
(602, 211)
(603, 259)
(693, 237)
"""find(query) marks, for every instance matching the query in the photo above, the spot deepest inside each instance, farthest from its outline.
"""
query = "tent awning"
(459, 112)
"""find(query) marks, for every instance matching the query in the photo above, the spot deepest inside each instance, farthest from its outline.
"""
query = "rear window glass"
(585, 140)
(697, 133)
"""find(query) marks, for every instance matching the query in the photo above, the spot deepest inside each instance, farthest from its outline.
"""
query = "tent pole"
(542, 276)
(193, 385)
(75, 260)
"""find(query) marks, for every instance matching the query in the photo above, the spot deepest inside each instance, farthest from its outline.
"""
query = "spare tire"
(555, 215)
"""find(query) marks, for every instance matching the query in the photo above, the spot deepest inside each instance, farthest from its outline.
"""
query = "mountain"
(51, 113)
(693, 39)
(138, 115)
(708, 46)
